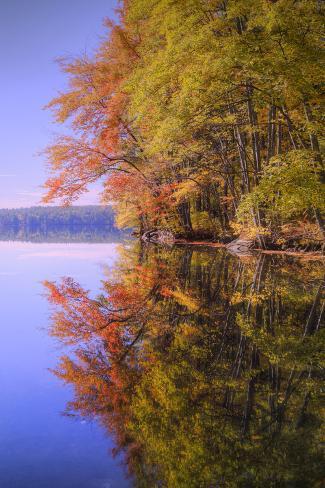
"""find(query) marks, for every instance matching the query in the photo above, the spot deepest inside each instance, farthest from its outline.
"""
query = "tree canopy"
(202, 117)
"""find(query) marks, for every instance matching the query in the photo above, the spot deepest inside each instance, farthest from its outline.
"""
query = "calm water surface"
(40, 448)
(196, 368)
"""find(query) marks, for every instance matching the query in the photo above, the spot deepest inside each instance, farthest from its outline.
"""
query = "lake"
(40, 448)
(176, 367)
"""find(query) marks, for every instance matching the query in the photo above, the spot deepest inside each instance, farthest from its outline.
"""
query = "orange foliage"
(95, 103)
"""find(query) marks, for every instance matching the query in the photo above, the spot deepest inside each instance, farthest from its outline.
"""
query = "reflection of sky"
(38, 447)
(94, 252)
(32, 34)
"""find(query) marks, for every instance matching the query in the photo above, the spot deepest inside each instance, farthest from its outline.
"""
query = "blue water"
(40, 448)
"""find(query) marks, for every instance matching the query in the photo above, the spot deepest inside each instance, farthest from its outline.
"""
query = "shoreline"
(307, 255)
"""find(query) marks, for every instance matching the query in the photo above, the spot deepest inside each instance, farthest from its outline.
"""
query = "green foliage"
(290, 185)
(192, 101)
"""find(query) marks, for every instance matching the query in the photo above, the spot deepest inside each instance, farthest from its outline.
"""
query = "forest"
(57, 217)
(200, 117)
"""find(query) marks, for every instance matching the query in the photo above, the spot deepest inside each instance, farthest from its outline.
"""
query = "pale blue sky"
(32, 34)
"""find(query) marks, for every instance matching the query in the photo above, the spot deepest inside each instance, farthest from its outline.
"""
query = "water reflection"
(68, 234)
(38, 447)
(205, 368)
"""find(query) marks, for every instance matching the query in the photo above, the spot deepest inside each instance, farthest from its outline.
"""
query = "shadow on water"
(206, 369)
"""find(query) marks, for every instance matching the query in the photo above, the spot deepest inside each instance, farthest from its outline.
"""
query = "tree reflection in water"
(205, 368)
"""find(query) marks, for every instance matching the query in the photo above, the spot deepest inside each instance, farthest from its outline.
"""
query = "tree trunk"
(184, 212)
(255, 136)
(271, 136)
(315, 147)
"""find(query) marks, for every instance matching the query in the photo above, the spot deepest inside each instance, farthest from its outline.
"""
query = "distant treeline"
(81, 223)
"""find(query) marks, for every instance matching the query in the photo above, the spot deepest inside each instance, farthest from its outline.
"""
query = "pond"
(175, 367)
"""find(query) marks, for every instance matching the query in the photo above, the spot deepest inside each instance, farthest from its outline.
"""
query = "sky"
(33, 33)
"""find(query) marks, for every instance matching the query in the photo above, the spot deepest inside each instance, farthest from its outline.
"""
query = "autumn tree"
(185, 109)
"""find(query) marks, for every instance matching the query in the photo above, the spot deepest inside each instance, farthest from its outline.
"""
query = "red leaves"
(96, 105)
